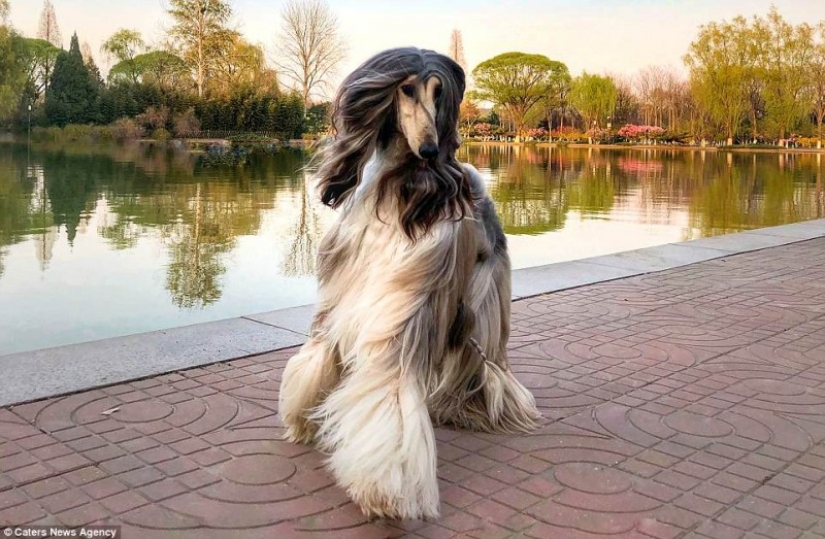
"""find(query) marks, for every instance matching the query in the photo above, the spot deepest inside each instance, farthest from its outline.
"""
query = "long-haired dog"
(413, 315)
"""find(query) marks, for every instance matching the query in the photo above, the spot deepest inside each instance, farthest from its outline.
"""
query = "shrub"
(47, 134)
(75, 132)
(568, 134)
(186, 124)
(806, 142)
(482, 129)
(125, 129)
(631, 132)
(154, 118)
(249, 137)
(537, 133)
(598, 134)
(161, 135)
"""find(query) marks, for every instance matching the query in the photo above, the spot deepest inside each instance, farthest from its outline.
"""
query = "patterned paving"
(688, 403)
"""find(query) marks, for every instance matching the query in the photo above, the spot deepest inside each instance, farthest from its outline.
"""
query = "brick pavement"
(688, 403)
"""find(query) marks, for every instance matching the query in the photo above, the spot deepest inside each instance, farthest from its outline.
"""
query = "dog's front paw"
(300, 432)
(376, 506)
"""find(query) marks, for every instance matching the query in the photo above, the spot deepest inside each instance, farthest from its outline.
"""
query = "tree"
(518, 81)
(91, 66)
(202, 30)
(317, 118)
(456, 50)
(123, 46)
(785, 59)
(48, 29)
(244, 64)
(594, 96)
(718, 70)
(627, 105)
(72, 96)
(559, 101)
(651, 90)
(161, 68)
(309, 47)
(468, 114)
(38, 57)
(5, 9)
(816, 70)
(12, 74)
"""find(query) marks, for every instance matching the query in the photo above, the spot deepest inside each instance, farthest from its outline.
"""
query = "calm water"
(100, 242)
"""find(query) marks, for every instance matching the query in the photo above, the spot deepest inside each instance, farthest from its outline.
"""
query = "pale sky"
(616, 36)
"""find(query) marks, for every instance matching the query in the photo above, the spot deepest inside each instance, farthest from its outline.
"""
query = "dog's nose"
(428, 150)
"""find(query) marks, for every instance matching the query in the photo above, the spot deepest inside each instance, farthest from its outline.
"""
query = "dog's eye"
(408, 89)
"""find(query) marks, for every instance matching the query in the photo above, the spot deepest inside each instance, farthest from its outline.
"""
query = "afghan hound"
(413, 314)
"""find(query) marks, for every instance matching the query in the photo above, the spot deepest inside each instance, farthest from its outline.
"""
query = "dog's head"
(408, 97)
(427, 106)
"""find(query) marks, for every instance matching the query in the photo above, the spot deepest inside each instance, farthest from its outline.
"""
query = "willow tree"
(309, 47)
(244, 65)
(594, 96)
(12, 78)
(784, 57)
(816, 72)
(123, 46)
(518, 82)
(201, 28)
(719, 71)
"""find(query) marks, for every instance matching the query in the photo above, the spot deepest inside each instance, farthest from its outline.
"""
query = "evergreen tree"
(72, 96)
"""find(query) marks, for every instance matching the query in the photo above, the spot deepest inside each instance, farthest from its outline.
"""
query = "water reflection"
(537, 188)
(141, 237)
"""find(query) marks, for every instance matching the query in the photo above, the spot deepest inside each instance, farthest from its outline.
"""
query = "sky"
(599, 36)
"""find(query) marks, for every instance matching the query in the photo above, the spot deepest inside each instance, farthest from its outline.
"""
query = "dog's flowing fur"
(414, 284)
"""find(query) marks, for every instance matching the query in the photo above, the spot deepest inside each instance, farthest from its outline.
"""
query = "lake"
(98, 242)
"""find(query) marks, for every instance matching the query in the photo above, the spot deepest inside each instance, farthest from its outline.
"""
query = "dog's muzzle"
(428, 150)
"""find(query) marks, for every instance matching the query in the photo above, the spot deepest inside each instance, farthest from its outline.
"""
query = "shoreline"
(195, 144)
(49, 372)
(740, 149)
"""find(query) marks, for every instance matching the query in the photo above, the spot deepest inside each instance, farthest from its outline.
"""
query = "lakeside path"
(684, 403)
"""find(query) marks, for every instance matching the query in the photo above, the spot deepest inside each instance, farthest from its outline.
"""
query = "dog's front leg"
(309, 376)
(380, 438)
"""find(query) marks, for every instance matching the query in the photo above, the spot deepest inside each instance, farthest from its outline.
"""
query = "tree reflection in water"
(537, 188)
(136, 195)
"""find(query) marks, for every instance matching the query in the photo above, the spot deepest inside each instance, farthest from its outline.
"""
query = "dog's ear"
(339, 177)
(389, 127)
(449, 110)
(460, 80)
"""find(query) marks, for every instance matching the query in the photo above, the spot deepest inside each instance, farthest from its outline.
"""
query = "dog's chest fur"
(375, 280)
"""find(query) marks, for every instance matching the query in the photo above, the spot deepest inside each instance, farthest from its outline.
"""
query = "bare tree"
(650, 87)
(309, 47)
(86, 52)
(49, 30)
(456, 50)
(627, 104)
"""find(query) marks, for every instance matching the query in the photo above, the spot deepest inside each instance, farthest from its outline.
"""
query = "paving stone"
(678, 404)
